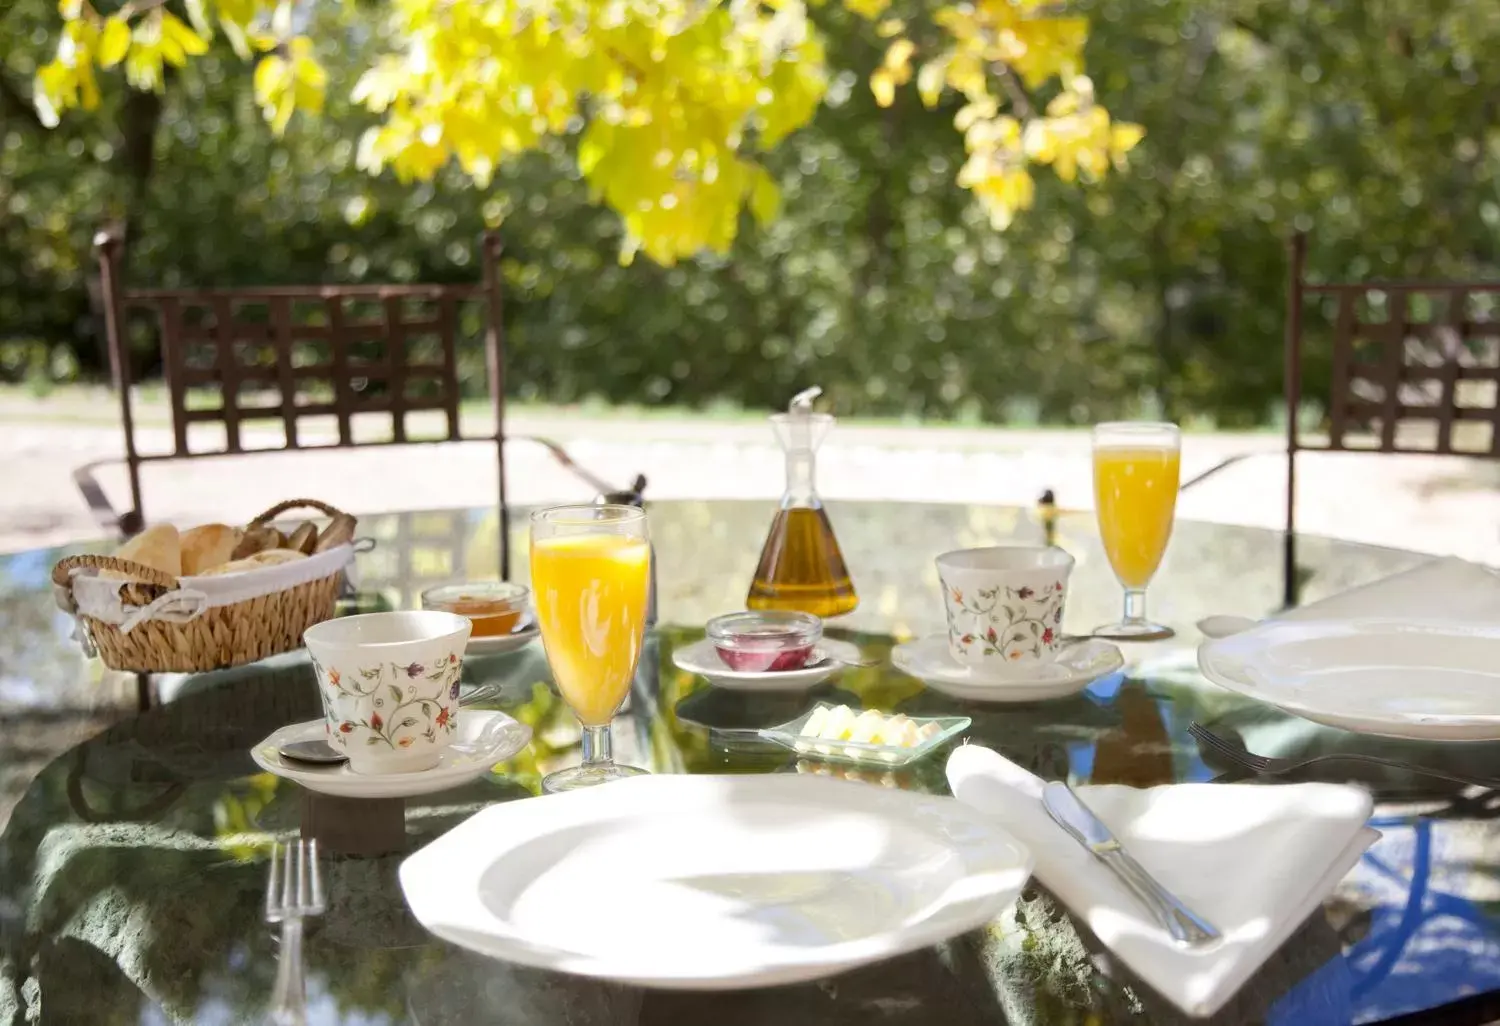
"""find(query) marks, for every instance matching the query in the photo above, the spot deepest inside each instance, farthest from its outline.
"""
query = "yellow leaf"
(898, 58)
(1124, 136)
(930, 81)
(174, 29)
(971, 113)
(199, 17)
(890, 27)
(71, 10)
(868, 9)
(235, 33)
(883, 85)
(115, 42)
(765, 197)
(284, 111)
(88, 87)
(272, 76)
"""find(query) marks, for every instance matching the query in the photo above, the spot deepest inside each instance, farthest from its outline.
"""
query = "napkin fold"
(1255, 861)
(1447, 588)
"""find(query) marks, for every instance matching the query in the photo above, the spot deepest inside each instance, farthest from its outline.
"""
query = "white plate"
(483, 739)
(1427, 680)
(708, 883)
(703, 659)
(1075, 668)
(499, 644)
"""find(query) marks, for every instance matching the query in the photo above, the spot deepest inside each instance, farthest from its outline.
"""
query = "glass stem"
(1135, 605)
(596, 746)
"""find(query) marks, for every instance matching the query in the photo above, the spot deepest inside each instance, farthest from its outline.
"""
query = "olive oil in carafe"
(801, 567)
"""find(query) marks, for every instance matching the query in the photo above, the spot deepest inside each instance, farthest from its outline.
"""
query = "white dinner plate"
(483, 738)
(499, 644)
(703, 659)
(709, 883)
(1428, 680)
(1075, 668)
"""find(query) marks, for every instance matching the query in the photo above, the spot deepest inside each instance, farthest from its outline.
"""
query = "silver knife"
(1185, 927)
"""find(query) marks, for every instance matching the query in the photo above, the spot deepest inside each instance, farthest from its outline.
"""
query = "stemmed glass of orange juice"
(590, 576)
(1136, 470)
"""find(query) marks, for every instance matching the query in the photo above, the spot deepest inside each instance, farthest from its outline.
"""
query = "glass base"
(1133, 630)
(588, 776)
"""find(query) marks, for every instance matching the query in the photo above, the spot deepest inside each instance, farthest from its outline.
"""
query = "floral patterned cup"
(1005, 606)
(389, 684)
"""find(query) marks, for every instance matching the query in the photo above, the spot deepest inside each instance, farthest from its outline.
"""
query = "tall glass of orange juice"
(590, 576)
(1136, 472)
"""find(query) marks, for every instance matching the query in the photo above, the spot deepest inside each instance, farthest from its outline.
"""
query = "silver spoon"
(317, 752)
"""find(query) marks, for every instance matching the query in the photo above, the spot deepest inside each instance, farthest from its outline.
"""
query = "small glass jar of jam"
(766, 641)
(497, 608)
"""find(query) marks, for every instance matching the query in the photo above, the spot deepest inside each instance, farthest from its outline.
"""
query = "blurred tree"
(1161, 289)
(669, 100)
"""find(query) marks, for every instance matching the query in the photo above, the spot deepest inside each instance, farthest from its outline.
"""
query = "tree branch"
(1019, 99)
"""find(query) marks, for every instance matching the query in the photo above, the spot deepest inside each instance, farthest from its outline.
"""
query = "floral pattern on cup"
(1004, 622)
(402, 704)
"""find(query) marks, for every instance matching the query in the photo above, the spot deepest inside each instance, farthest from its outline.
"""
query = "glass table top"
(132, 868)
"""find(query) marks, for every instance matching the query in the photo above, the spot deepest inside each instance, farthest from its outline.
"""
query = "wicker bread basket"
(207, 623)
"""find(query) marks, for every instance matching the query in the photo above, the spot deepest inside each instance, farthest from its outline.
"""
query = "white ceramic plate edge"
(1218, 661)
(475, 928)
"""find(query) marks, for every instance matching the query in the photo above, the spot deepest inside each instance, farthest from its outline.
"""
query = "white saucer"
(500, 644)
(703, 659)
(1076, 667)
(483, 739)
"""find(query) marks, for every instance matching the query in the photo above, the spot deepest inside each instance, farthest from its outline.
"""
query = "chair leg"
(145, 695)
(1290, 586)
(1290, 589)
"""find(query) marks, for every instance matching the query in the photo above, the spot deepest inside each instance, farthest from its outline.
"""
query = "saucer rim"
(817, 672)
(951, 668)
(434, 778)
(504, 644)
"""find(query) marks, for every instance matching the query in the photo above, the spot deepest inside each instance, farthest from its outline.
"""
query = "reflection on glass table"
(132, 868)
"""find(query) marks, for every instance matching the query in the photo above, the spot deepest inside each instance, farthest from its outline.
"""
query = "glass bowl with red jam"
(768, 641)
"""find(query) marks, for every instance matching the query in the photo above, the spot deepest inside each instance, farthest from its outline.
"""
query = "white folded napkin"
(1447, 588)
(1253, 860)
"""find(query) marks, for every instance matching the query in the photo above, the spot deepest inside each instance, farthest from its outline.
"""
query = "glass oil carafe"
(801, 566)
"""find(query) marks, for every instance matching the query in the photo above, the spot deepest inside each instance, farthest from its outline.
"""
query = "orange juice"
(1136, 491)
(591, 592)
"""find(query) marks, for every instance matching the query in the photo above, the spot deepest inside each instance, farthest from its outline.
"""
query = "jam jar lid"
(495, 596)
(765, 629)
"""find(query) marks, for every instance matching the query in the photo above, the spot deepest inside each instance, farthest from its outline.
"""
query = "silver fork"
(1273, 767)
(293, 893)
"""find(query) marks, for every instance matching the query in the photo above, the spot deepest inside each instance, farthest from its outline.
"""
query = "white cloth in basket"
(99, 597)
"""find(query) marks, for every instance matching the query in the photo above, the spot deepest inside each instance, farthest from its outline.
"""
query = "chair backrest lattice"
(1413, 366)
(300, 367)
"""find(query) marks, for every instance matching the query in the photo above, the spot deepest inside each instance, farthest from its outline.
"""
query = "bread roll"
(208, 546)
(340, 531)
(304, 538)
(159, 547)
(273, 557)
(259, 561)
(256, 539)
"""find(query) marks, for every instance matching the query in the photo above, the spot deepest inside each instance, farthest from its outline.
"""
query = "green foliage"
(1161, 287)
